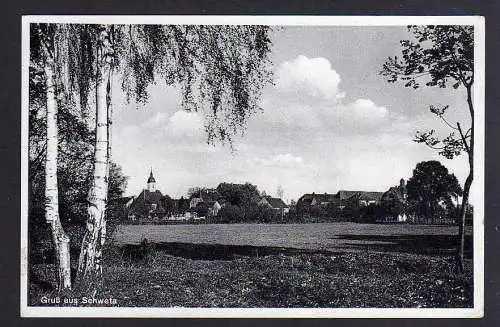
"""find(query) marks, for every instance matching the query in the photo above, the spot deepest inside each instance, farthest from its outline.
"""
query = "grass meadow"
(279, 265)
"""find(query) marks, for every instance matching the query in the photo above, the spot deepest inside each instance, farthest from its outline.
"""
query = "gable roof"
(371, 196)
(394, 191)
(361, 195)
(276, 203)
(343, 194)
(148, 197)
(120, 201)
(321, 197)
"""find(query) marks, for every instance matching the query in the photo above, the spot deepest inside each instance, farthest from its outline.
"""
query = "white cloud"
(185, 124)
(309, 100)
(365, 109)
(310, 76)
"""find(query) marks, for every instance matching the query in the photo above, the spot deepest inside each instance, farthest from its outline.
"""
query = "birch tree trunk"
(89, 273)
(59, 237)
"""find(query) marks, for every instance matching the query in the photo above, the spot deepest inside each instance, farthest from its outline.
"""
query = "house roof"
(276, 203)
(361, 195)
(371, 196)
(322, 197)
(343, 194)
(394, 191)
(141, 203)
(151, 197)
(120, 201)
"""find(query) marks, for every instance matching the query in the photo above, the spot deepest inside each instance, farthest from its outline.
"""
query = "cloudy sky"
(330, 122)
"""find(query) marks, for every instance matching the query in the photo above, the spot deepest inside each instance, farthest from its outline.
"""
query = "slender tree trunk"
(461, 225)
(89, 273)
(59, 237)
(468, 183)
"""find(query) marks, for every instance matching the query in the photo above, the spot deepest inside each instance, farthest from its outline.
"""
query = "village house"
(341, 201)
(206, 202)
(309, 200)
(396, 206)
(358, 199)
(217, 206)
(395, 198)
(275, 204)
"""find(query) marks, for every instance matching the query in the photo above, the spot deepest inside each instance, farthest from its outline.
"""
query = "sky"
(330, 122)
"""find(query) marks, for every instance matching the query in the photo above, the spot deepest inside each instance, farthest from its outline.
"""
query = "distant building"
(309, 200)
(394, 201)
(359, 199)
(275, 204)
(206, 202)
(217, 206)
(342, 201)
(151, 182)
(150, 203)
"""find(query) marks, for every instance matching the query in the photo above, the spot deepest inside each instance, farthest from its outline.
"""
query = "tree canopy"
(439, 56)
(239, 194)
(221, 70)
(431, 183)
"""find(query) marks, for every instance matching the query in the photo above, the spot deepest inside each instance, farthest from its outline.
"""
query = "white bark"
(90, 261)
(60, 239)
(51, 190)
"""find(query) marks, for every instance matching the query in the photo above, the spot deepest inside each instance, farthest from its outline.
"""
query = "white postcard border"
(478, 193)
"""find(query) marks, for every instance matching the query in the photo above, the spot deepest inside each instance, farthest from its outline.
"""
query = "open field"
(253, 265)
(335, 237)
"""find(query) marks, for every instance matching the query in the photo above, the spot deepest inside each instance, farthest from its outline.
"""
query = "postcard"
(252, 166)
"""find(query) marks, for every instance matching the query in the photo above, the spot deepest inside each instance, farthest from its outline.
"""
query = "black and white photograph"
(252, 166)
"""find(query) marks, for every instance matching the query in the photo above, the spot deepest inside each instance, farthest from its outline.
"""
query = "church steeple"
(151, 182)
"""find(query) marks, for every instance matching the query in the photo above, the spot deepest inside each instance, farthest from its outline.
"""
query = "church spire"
(151, 182)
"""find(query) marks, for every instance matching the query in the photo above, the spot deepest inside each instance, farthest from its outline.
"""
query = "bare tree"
(280, 192)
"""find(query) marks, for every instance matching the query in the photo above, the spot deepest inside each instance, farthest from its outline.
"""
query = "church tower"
(151, 182)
